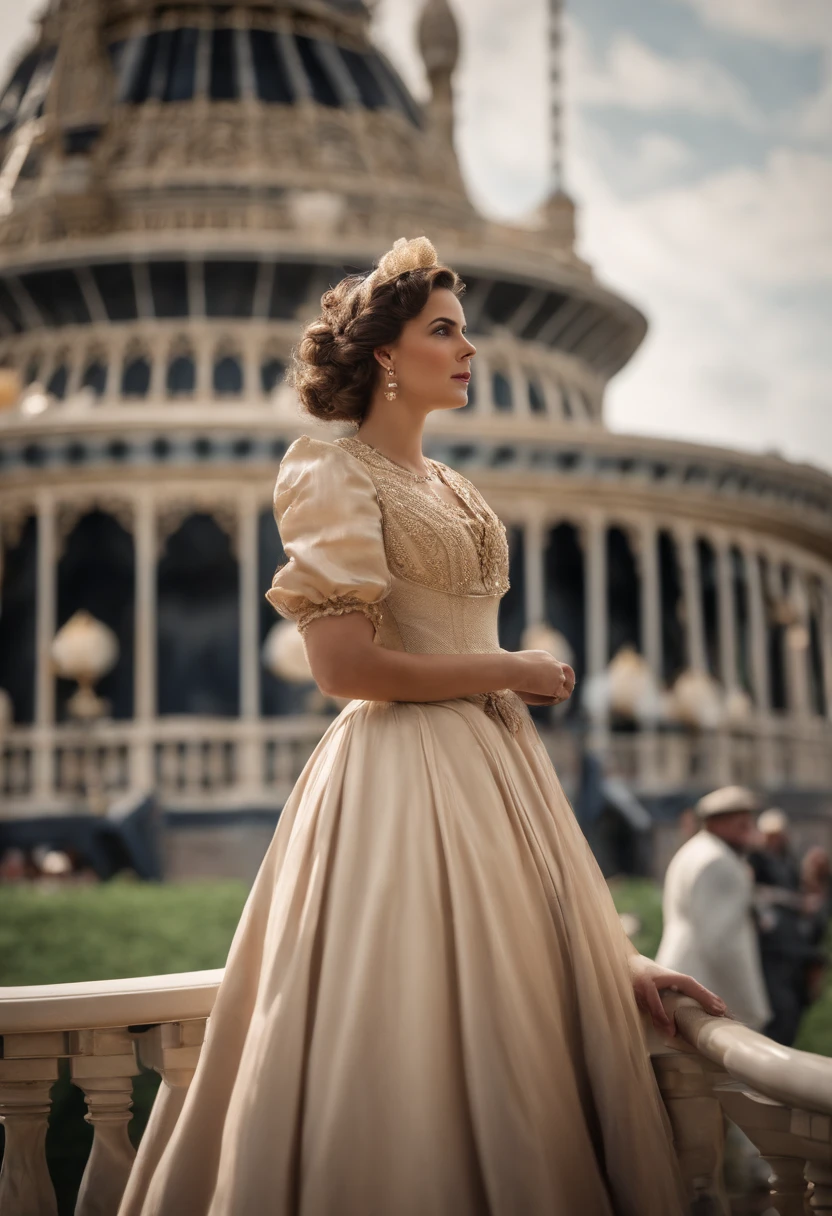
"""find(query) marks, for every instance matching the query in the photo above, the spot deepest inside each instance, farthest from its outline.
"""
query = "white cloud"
(798, 23)
(16, 29)
(724, 362)
(634, 77)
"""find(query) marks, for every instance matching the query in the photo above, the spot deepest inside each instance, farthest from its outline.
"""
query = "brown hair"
(334, 370)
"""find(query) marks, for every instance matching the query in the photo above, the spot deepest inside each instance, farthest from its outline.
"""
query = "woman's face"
(432, 357)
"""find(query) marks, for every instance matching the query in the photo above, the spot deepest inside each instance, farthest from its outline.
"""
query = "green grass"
(123, 929)
(115, 930)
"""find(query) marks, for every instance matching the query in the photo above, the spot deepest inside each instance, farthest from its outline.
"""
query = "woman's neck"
(396, 434)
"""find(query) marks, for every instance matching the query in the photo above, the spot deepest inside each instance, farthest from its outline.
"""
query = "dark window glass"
(501, 390)
(273, 82)
(135, 378)
(363, 77)
(179, 85)
(115, 284)
(395, 87)
(10, 310)
(95, 377)
(116, 52)
(228, 376)
(181, 377)
(503, 300)
(290, 289)
(537, 402)
(272, 372)
(169, 287)
(161, 67)
(57, 382)
(223, 67)
(58, 297)
(229, 288)
(323, 89)
(566, 401)
(552, 304)
(31, 373)
(140, 86)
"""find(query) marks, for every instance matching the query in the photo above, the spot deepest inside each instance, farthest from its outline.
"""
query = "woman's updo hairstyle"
(334, 369)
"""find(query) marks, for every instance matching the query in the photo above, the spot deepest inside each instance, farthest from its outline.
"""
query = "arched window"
(228, 376)
(181, 376)
(57, 381)
(501, 391)
(135, 377)
(272, 372)
(95, 377)
(537, 401)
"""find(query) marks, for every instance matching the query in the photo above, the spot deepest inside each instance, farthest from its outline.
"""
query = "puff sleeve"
(329, 520)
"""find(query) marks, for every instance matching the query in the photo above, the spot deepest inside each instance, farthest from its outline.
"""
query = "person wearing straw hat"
(709, 928)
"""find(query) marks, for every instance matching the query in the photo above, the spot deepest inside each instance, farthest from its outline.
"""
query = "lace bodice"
(361, 534)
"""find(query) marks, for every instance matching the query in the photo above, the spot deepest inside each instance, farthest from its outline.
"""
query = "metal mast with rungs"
(556, 93)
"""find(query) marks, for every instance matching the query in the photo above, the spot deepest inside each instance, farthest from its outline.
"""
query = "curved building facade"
(179, 183)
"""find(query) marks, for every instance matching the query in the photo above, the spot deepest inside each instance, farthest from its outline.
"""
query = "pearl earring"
(391, 393)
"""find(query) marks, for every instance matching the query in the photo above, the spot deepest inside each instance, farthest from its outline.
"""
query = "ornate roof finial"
(559, 209)
(556, 94)
(439, 44)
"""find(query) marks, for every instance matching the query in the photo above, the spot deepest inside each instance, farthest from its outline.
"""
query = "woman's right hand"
(540, 679)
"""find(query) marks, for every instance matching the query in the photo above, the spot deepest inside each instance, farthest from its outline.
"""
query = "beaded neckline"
(458, 507)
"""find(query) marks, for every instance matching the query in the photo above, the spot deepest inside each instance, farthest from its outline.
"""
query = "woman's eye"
(443, 329)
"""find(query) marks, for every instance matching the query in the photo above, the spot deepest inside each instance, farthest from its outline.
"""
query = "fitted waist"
(420, 620)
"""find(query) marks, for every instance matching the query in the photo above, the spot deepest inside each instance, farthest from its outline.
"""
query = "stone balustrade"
(108, 1031)
(222, 763)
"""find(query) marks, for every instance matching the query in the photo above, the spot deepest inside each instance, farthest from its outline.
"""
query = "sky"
(699, 152)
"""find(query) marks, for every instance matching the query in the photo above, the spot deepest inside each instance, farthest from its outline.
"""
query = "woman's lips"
(464, 376)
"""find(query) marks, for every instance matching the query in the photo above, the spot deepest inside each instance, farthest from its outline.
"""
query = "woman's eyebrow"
(446, 320)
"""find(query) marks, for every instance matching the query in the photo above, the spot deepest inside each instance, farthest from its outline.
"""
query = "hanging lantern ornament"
(284, 654)
(84, 650)
(633, 692)
(6, 711)
(698, 700)
(10, 388)
(739, 707)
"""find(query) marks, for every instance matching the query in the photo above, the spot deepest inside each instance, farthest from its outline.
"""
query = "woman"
(430, 1008)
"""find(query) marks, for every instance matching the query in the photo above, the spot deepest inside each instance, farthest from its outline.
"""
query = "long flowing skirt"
(427, 1009)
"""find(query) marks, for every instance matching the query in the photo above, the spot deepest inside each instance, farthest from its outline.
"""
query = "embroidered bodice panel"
(362, 535)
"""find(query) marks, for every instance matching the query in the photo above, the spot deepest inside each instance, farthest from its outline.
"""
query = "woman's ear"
(384, 356)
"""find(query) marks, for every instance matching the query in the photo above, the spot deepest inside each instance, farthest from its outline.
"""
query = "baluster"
(283, 767)
(686, 1085)
(819, 1173)
(173, 1051)
(25, 1100)
(788, 1185)
(103, 1064)
(194, 766)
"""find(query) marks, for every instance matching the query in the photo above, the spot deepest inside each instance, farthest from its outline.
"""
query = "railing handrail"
(101, 1004)
(796, 1078)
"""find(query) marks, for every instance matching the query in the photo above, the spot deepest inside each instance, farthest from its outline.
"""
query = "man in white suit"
(709, 930)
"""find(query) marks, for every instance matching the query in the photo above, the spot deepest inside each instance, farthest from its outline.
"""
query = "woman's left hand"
(649, 980)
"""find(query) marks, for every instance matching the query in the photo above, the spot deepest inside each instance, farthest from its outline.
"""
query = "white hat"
(772, 822)
(728, 800)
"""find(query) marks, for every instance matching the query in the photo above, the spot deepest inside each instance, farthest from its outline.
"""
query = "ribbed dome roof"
(177, 62)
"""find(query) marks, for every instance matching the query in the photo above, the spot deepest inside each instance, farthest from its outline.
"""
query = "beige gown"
(427, 1009)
